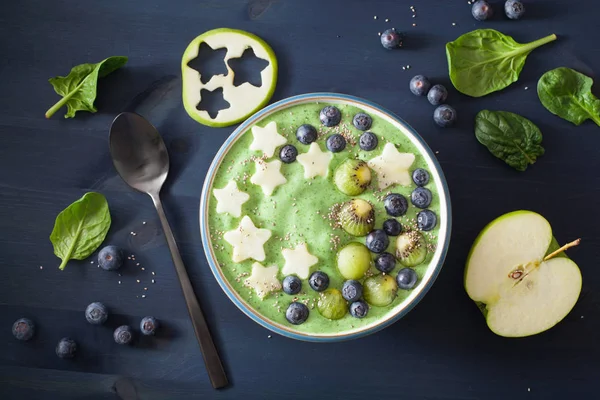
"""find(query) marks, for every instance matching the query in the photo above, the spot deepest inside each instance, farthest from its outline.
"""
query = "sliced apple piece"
(244, 99)
(521, 288)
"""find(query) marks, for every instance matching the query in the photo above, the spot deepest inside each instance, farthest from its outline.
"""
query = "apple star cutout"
(298, 261)
(230, 199)
(247, 241)
(315, 161)
(263, 279)
(392, 166)
(266, 139)
(268, 176)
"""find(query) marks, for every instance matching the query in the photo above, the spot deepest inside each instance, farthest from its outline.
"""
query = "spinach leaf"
(79, 87)
(80, 228)
(510, 137)
(568, 94)
(484, 61)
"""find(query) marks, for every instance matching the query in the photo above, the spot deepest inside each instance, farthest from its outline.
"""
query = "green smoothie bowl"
(325, 217)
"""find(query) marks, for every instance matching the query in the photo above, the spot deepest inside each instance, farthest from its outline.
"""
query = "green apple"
(519, 277)
(245, 99)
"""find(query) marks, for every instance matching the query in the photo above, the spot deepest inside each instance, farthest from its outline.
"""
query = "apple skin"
(554, 245)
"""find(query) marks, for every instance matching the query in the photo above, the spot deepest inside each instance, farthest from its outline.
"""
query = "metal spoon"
(140, 157)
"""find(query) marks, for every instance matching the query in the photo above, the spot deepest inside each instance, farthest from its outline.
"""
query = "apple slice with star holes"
(519, 277)
(245, 99)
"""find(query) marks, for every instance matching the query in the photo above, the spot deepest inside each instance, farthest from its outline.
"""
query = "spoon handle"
(212, 361)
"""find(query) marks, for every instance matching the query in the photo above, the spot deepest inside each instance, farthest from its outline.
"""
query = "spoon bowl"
(139, 153)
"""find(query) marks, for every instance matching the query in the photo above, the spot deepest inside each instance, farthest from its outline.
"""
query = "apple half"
(519, 277)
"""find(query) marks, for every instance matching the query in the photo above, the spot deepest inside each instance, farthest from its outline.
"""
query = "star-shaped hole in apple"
(247, 68)
(212, 102)
(209, 62)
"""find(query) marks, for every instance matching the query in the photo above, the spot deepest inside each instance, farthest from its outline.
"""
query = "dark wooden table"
(441, 350)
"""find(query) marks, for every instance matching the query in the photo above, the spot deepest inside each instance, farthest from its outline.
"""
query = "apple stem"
(565, 247)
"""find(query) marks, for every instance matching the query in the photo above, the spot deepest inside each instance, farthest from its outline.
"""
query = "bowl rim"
(247, 308)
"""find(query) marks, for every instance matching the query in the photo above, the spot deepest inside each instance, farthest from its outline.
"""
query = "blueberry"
(406, 278)
(392, 227)
(66, 348)
(149, 325)
(292, 284)
(336, 143)
(111, 258)
(319, 281)
(421, 197)
(96, 313)
(377, 241)
(362, 121)
(296, 313)
(426, 220)
(391, 39)
(368, 141)
(330, 116)
(395, 204)
(23, 329)
(437, 95)
(288, 154)
(419, 85)
(444, 115)
(420, 177)
(352, 290)
(514, 9)
(385, 262)
(123, 334)
(359, 309)
(306, 134)
(482, 10)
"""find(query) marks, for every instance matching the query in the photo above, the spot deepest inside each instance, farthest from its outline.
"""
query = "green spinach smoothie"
(302, 210)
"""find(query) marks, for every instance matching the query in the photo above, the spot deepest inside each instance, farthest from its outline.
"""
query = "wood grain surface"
(441, 350)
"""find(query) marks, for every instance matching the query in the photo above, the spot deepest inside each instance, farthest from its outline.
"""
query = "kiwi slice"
(352, 177)
(353, 260)
(380, 290)
(331, 304)
(411, 248)
(357, 217)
